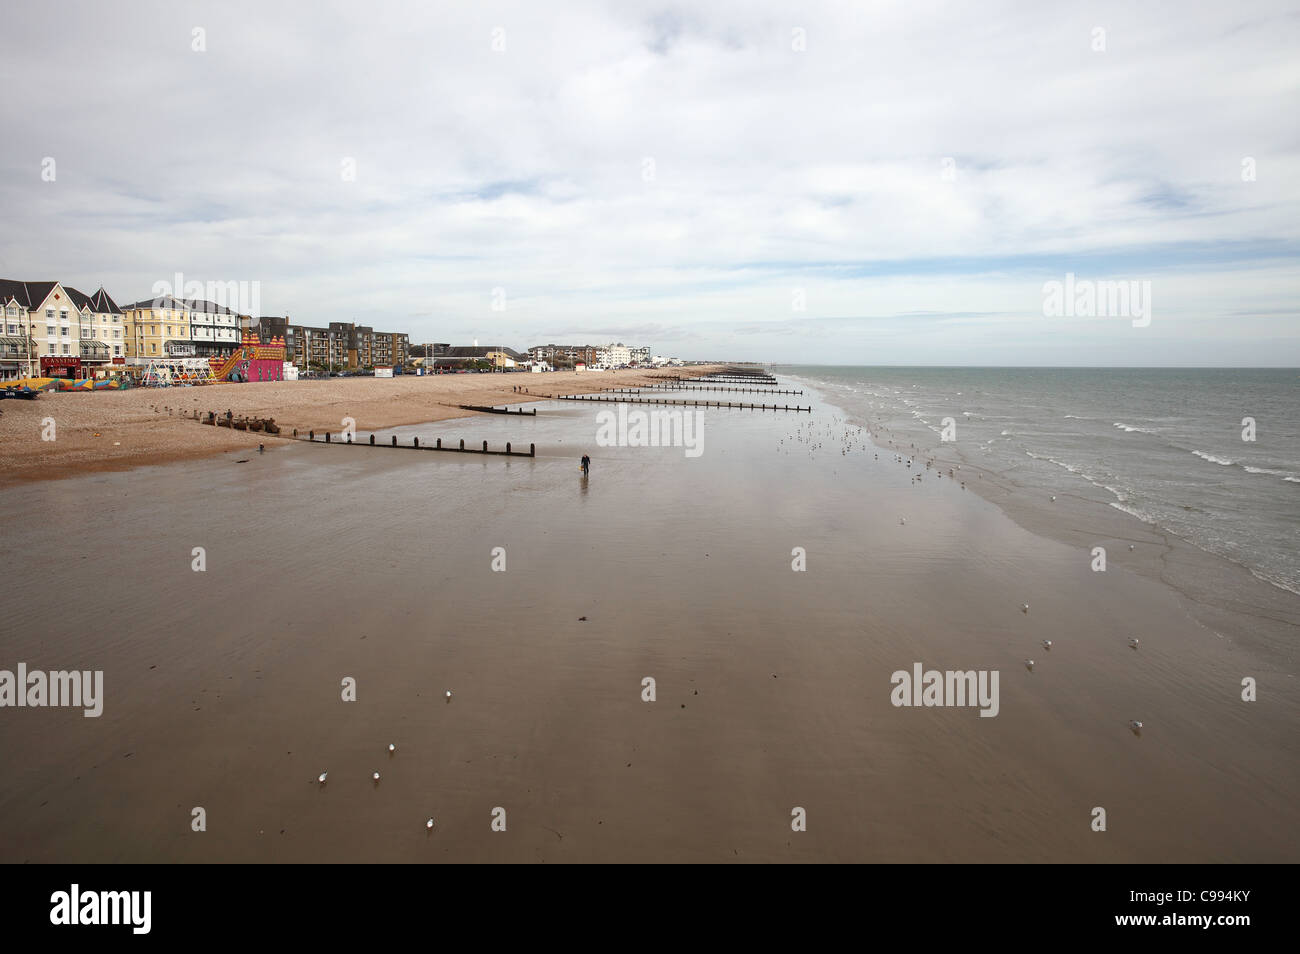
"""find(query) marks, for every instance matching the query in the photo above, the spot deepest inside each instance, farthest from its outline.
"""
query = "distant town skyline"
(747, 181)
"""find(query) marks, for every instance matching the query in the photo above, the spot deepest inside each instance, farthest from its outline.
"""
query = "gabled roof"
(102, 303)
(28, 295)
(80, 299)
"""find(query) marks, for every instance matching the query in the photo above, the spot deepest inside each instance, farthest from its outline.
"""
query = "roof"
(181, 304)
(461, 351)
(100, 302)
(27, 294)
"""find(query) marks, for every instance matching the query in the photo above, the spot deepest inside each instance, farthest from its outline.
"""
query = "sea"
(1170, 446)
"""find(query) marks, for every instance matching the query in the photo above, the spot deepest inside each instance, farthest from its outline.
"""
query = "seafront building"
(49, 329)
(169, 327)
(54, 330)
(616, 355)
(342, 345)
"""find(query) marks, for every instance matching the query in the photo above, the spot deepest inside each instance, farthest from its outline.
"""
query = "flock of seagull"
(323, 777)
(851, 437)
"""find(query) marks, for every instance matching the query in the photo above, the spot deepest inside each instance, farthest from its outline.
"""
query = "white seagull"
(1136, 726)
(391, 748)
(1024, 607)
(1133, 642)
(1029, 664)
(1047, 644)
(321, 778)
(429, 824)
(449, 695)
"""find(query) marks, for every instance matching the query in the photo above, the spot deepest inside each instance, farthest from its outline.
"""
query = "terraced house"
(55, 330)
(102, 340)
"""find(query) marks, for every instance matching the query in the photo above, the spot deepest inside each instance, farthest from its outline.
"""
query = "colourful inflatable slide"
(252, 361)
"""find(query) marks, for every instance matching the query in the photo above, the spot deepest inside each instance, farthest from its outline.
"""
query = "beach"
(112, 430)
(773, 686)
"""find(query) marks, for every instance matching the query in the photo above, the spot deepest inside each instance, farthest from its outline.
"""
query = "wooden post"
(485, 447)
(327, 437)
(507, 447)
(532, 450)
(462, 443)
(415, 442)
(372, 440)
(394, 440)
(311, 435)
(440, 443)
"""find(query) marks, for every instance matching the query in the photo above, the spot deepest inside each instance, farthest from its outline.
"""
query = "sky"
(812, 182)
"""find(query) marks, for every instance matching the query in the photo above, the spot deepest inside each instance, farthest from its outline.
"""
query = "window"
(65, 331)
(65, 349)
(153, 348)
(117, 350)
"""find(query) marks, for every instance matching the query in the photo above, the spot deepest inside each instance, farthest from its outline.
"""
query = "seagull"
(1131, 548)
(321, 778)
(902, 521)
(449, 695)
(1133, 642)
(1136, 726)
(391, 748)
(429, 824)
(1047, 644)
(375, 776)
(1024, 607)
(1029, 664)
(1053, 497)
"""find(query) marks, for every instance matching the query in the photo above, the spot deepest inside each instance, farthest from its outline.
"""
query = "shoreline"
(1228, 598)
(111, 431)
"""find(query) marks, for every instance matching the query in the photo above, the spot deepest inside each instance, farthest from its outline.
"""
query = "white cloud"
(524, 169)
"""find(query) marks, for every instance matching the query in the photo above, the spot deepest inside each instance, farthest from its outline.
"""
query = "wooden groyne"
(729, 380)
(665, 403)
(498, 410)
(416, 445)
(717, 387)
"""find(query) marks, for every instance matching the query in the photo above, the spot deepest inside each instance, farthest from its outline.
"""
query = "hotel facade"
(55, 330)
(168, 327)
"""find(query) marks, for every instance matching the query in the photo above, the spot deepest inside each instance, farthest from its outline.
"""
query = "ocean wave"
(1130, 428)
(1134, 512)
(1005, 434)
(1214, 460)
(1284, 474)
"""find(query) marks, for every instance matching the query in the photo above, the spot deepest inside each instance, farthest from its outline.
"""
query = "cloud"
(669, 172)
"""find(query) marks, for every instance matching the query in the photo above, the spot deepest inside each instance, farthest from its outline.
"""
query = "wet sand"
(116, 430)
(223, 687)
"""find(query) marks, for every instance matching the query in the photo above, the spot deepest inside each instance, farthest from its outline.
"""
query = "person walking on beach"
(586, 464)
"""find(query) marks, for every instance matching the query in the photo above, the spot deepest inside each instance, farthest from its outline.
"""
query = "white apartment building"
(214, 329)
